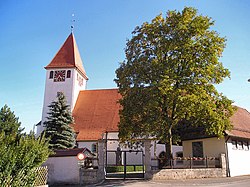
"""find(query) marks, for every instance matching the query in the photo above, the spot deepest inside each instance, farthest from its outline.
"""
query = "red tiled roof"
(95, 112)
(68, 56)
(241, 124)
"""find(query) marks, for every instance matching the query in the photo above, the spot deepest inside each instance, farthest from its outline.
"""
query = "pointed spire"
(68, 56)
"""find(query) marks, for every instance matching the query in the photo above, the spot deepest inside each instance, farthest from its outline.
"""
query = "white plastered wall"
(69, 87)
(239, 159)
(63, 170)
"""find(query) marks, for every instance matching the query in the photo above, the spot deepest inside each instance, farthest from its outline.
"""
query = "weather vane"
(72, 21)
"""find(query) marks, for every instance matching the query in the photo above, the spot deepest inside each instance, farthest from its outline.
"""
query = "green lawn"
(114, 169)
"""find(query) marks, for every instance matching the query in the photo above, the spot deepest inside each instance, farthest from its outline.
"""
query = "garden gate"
(124, 164)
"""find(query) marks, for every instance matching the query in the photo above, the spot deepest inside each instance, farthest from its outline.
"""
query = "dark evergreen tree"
(58, 123)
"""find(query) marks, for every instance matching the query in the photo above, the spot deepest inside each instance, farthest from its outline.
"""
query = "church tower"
(65, 73)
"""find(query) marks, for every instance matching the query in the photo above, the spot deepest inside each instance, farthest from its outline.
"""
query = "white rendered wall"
(63, 170)
(76, 87)
(87, 144)
(69, 87)
(239, 160)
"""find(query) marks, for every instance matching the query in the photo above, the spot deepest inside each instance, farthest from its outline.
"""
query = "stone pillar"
(147, 160)
(223, 164)
(101, 159)
(223, 161)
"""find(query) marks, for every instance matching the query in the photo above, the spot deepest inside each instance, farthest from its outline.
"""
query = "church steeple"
(65, 73)
(68, 57)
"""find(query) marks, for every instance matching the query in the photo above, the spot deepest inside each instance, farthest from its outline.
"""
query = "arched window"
(68, 74)
(51, 74)
(94, 148)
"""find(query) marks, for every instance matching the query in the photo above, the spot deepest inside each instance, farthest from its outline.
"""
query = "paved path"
(241, 181)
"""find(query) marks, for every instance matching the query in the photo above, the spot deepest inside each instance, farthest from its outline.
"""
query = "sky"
(33, 31)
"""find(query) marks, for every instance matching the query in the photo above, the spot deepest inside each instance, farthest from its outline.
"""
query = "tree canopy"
(171, 67)
(20, 153)
(58, 128)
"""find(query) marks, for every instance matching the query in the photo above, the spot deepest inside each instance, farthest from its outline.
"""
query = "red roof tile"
(241, 124)
(68, 56)
(95, 112)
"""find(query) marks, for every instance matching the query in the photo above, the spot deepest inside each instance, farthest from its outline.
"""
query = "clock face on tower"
(59, 76)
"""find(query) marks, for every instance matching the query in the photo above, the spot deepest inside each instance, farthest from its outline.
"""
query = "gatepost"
(147, 160)
(101, 160)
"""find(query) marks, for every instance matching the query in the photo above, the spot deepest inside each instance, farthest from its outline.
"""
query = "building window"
(51, 73)
(240, 145)
(246, 146)
(197, 148)
(68, 74)
(234, 144)
(94, 148)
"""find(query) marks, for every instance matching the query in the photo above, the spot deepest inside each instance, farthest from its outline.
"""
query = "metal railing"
(189, 163)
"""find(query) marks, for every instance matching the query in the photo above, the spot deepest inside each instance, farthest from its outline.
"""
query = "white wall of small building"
(212, 147)
(239, 158)
(63, 170)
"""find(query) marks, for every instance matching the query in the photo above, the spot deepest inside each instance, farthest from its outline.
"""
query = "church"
(95, 112)
(96, 119)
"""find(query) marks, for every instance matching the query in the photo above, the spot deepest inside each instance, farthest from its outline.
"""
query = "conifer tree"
(20, 153)
(9, 122)
(58, 123)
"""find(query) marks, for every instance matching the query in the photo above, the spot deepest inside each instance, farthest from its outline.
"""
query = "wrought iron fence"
(189, 163)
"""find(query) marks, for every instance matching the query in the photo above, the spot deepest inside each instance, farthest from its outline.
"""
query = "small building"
(63, 166)
(235, 145)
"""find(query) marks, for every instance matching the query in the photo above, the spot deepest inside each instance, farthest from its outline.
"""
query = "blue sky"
(33, 31)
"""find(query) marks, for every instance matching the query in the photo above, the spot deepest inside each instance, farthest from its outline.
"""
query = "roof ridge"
(101, 89)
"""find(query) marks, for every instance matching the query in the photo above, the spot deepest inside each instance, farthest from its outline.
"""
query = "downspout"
(227, 158)
(106, 147)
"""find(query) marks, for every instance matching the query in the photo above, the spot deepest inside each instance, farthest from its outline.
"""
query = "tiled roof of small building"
(68, 56)
(241, 124)
(96, 112)
(69, 152)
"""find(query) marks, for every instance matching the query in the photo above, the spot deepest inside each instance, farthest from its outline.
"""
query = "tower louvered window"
(51, 74)
(68, 74)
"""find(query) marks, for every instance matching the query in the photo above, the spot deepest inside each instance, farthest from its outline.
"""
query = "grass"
(114, 169)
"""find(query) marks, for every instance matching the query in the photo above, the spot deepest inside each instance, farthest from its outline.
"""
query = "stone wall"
(166, 174)
(89, 176)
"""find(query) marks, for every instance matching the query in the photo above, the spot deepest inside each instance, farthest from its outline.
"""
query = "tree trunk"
(168, 148)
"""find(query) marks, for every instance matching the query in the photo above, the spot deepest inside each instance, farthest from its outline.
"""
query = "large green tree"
(57, 126)
(20, 153)
(168, 77)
